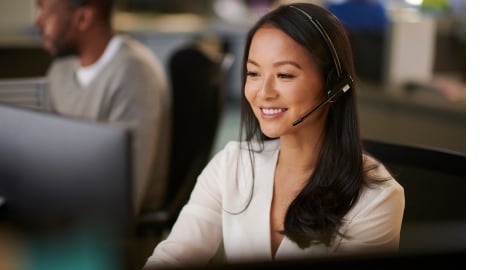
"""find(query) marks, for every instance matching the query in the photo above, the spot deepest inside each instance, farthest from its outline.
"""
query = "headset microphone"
(332, 95)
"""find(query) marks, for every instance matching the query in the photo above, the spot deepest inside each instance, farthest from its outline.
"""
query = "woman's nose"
(267, 88)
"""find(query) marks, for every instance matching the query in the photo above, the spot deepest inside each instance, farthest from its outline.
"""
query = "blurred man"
(101, 76)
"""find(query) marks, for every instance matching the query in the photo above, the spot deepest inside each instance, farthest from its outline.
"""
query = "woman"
(299, 185)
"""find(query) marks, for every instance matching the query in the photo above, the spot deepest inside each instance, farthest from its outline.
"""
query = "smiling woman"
(298, 183)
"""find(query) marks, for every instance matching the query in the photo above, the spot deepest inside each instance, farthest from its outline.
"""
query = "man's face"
(55, 21)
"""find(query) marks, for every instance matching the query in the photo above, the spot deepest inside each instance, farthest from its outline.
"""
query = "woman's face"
(283, 83)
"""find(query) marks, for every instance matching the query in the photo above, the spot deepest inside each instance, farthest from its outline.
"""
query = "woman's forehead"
(271, 43)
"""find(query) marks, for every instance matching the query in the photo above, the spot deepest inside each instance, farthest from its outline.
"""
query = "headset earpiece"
(344, 84)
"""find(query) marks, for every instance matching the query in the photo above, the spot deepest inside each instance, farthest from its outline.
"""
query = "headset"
(345, 81)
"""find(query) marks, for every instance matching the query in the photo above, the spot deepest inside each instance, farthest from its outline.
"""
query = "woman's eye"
(285, 76)
(252, 74)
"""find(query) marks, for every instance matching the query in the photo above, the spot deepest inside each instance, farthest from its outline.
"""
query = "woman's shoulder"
(379, 175)
(227, 153)
(381, 190)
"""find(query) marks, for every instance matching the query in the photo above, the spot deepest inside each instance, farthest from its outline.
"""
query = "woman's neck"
(299, 155)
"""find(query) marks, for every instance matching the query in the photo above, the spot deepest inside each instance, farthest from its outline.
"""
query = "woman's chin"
(271, 133)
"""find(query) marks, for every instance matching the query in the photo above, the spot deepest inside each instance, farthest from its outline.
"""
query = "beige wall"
(16, 15)
(402, 121)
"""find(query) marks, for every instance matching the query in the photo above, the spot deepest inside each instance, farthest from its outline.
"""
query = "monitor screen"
(55, 169)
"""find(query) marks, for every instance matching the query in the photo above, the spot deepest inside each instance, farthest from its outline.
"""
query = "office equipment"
(344, 262)
(434, 181)
(59, 174)
(65, 187)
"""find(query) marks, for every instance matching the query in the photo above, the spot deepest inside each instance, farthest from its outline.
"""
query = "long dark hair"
(317, 212)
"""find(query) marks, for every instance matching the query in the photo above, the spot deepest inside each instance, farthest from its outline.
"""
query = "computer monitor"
(56, 170)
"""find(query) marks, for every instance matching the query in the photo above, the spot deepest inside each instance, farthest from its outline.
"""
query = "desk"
(22, 56)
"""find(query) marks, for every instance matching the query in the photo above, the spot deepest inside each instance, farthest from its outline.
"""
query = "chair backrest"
(25, 92)
(197, 81)
(434, 181)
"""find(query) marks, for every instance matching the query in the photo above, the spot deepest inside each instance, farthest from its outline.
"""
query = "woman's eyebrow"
(250, 61)
(287, 62)
(276, 64)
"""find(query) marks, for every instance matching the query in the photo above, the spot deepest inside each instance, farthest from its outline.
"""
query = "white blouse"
(214, 213)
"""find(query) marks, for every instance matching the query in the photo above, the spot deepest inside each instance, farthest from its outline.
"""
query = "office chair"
(196, 81)
(197, 84)
(434, 181)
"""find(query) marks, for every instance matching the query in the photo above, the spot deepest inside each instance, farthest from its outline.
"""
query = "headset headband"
(323, 33)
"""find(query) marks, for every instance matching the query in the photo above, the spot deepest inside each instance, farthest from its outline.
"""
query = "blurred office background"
(411, 74)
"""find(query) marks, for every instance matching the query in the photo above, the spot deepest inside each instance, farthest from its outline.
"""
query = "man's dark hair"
(105, 7)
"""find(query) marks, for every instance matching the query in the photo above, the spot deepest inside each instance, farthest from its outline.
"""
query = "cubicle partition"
(28, 92)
